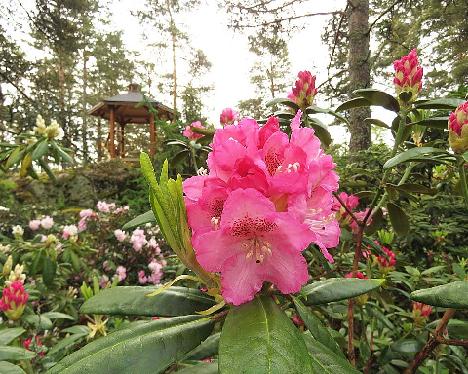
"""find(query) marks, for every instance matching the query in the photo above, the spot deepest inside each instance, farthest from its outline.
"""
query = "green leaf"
(49, 270)
(451, 295)
(258, 337)
(148, 347)
(315, 109)
(357, 102)
(379, 98)
(57, 315)
(337, 289)
(211, 368)
(407, 346)
(326, 361)
(435, 122)
(316, 328)
(67, 342)
(283, 101)
(413, 188)
(9, 368)
(132, 301)
(398, 218)
(377, 122)
(410, 154)
(321, 131)
(449, 103)
(9, 334)
(15, 353)
(42, 323)
(62, 154)
(140, 220)
(15, 156)
(41, 149)
(206, 349)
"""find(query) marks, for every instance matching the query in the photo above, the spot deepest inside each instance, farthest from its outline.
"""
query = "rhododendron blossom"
(104, 207)
(69, 231)
(264, 200)
(120, 235)
(190, 134)
(17, 231)
(47, 222)
(358, 275)
(408, 75)
(138, 239)
(14, 299)
(304, 91)
(228, 116)
(37, 345)
(421, 310)
(388, 261)
(458, 128)
(121, 273)
(34, 224)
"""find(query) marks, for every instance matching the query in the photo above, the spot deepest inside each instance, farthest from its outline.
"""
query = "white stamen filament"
(256, 248)
(215, 223)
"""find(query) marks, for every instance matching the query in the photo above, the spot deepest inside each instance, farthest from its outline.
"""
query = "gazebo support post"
(152, 129)
(111, 145)
(122, 140)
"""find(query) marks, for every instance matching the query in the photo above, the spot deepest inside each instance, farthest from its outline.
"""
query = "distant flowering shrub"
(264, 200)
(228, 116)
(190, 134)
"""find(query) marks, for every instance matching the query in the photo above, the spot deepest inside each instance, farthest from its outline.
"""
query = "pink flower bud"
(358, 275)
(408, 75)
(387, 262)
(458, 129)
(35, 224)
(304, 90)
(189, 134)
(421, 310)
(228, 116)
(14, 299)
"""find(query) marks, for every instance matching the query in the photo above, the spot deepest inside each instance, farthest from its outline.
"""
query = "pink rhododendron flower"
(358, 275)
(104, 207)
(142, 279)
(47, 222)
(69, 231)
(121, 209)
(121, 273)
(228, 116)
(265, 199)
(36, 345)
(120, 235)
(103, 281)
(87, 213)
(458, 128)
(388, 261)
(408, 75)
(421, 310)
(304, 90)
(138, 239)
(34, 224)
(154, 245)
(14, 299)
(191, 135)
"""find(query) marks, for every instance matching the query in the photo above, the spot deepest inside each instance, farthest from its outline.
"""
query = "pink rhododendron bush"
(277, 255)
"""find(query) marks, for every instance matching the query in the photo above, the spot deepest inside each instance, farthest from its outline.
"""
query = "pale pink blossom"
(142, 279)
(121, 272)
(87, 213)
(104, 207)
(69, 231)
(103, 281)
(47, 222)
(228, 116)
(35, 224)
(190, 134)
(120, 235)
(138, 239)
(82, 224)
(154, 245)
(121, 209)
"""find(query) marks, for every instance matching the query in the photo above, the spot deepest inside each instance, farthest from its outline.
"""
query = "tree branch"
(289, 19)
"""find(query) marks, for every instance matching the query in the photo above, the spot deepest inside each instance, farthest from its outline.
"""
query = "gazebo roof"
(127, 110)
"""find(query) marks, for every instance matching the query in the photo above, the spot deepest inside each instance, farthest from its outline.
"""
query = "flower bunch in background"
(267, 196)
(190, 134)
(228, 116)
(53, 131)
(344, 218)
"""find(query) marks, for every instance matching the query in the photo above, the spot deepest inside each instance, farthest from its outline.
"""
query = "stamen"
(256, 248)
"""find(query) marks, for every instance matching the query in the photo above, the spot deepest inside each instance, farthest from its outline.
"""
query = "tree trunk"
(173, 31)
(62, 113)
(85, 114)
(359, 71)
(99, 140)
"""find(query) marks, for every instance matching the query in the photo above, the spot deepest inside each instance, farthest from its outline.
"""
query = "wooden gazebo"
(127, 108)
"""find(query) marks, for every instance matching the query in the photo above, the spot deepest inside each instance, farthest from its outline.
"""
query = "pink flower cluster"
(408, 74)
(265, 199)
(458, 128)
(14, 299)
(69, 231)
(156, 269)
(45, 222)
(388, 261)
(228, 116)
(85, 216)
(190, 134)
(345, 219)
(304, 91)
(37, 345)
(358, 275)
(121, 273)
(138, 239)
(421, 310)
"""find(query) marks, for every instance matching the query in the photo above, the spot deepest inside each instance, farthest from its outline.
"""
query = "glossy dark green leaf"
(321, 131)
(40, 322)
(15, 353)
(204, 368)
(9, 368)
(315, 109)
(379, 98)
(357, 102)
(140, 220)
(407, 346)
(62, 154)
(398, 218)
(326, 361)
(377, 122)
(15, 156)
(336, 289)
(49, 269)
(57, 315)
(316, 328)
(411, 154)
(414, 188)
(449, 103)
(41, 149)
(451, 295)
(258, 338)
(206, 349)
(283, 101)
(434, 122)
(7, 335)
(148, 347)
(132, 301)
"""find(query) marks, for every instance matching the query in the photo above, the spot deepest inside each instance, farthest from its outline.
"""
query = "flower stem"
(464, 186)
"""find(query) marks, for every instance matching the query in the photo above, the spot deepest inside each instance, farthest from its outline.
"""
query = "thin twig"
(346, 208)
(289, 19)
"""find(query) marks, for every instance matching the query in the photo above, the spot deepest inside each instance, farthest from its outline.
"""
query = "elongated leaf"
(451, 295)
(283, 101)
(377, 122)
(148, 347)
(449, 103)
(57, 315)
(398, 218)
(9, 368)
(316, 328)
(15, 157)
(379, 98)
(206, 349)
(41, 322)
(414, 188)
(26, 164)
(15, 353)
(336, 289)
(211, 368)
(326, 361)
(140, 220)
(67, 343)
(357, 102)
(49, 269)
(132, 301)
(41, 149)
(434, 122)
(411, 154)
(315, 109)
(258, 338)
(62, 154)
(321, 131)
(9, 334)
